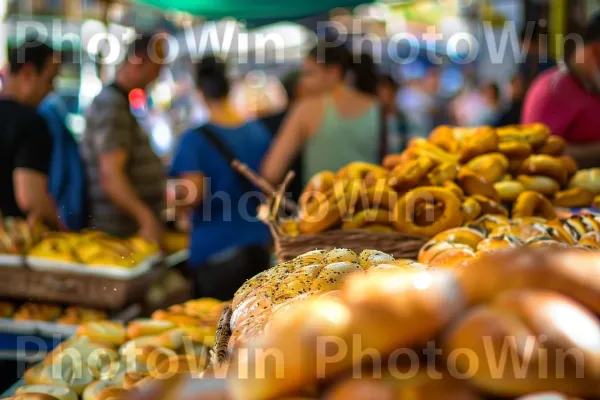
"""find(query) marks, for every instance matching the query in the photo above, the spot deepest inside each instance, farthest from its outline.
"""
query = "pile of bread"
(509, 324)
(454, 177)
(17, 236)
(107, 359)
(31, 311)
(458, 246)
(93, 248)
(513, 324)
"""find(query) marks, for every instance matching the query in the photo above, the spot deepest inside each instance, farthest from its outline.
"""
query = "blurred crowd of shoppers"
(340, 110)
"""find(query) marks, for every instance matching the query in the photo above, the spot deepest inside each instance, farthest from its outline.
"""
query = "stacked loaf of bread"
(456, 176)
(456, 247)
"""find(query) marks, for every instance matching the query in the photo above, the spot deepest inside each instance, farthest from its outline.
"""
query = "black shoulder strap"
(227, 154)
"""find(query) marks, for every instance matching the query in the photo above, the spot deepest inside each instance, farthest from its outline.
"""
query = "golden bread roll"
(105, 331)
(541, 184)
(339, 255)
(432, 248)
(6, 309)
(559, 231)
(471, 209)
(177, 318)
(92, 391)
(407, 176)
(147, 327)
(454, 188)
(113, 394)
(545, 242)
(569, 164)
(481, 140)
(454, 258)
(131, 379)
(586, 179)
(447, 171)
(499, 243)
(509, 190)
(554, 146)
(488, 223)
(530, 204)
(590, 239)
(151, 356)
(466, 236)
(70, 373)
(520, 230)
(366, 217)
(374, 302)
(574, 198)
(334, 275)
(380, 196)
(323, 211)
(545, 165)
(473, 184)
(534, 134)
(491, 166)
(371, 258)
(573, 273)
(55, 392)
(404, 211)
(515, 150)
(528, 327)
(490, 207)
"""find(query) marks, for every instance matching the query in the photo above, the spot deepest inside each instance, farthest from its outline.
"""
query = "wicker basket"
(219, 353)
(288, 247)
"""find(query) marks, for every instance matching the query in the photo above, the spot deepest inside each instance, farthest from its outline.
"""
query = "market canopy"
(254, 9)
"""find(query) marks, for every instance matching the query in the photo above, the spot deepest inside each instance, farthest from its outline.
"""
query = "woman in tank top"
(339, 121)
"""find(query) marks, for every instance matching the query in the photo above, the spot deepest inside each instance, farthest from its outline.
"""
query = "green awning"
(253, 9)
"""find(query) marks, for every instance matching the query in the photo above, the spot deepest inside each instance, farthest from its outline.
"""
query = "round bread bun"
(540, 184)
(545, 242)
(466, 236)
(433, 248)
(586, 179)
(522, 231)
(499, 243)
(92, 391)
(455, 258)
(590, 239)
(54, 392)
(545, 165)
(508, 326)
(488, 223)
(147, 327)
(104, 331)
(573, 273)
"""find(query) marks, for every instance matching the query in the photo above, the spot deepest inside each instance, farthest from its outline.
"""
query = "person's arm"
(30, 174)
(586, 155)
(287, 144)
(116, 184)
(31, 193)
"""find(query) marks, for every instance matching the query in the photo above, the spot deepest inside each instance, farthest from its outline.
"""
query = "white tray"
(177, 258)
(8, 325)
(108, 271)
(50, 329)
(11, 261)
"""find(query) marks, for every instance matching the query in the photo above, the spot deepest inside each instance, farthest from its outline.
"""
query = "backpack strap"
(227, 154)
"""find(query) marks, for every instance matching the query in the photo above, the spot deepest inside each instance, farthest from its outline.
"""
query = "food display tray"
(105, 271)
(12, 261)
(8, 325)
